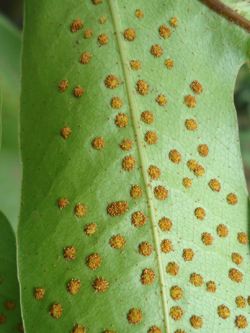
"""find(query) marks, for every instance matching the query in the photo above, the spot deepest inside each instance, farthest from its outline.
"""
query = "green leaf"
(10, 318)
(10, 168)
(204, 47)
(10, 314)
(10, 39)
(10, 180)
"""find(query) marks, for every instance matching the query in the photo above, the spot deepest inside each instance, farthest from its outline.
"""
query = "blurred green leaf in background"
(10, 169)
(10, 175)
(10, 316)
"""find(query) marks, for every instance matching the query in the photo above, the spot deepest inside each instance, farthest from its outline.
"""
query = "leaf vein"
(143, 158)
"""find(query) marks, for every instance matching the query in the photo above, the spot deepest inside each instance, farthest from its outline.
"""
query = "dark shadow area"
(242, 104)
(12, 9)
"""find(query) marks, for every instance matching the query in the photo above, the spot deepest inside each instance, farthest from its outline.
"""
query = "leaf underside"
(10, 318)
(204, 47)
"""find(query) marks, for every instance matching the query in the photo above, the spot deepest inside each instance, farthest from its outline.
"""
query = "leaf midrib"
(142, 156)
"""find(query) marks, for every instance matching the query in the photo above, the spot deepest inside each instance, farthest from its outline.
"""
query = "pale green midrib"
(142, 156)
